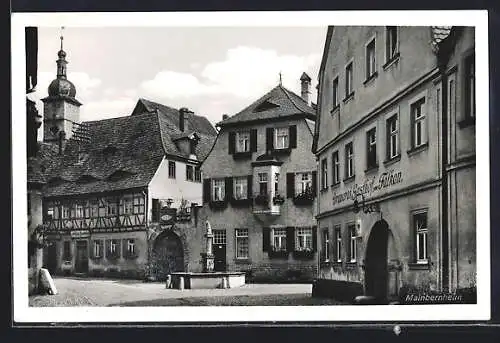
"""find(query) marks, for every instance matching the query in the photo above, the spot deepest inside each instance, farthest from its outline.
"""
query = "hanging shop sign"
(80, 233)
(369, 187)
(167, 215)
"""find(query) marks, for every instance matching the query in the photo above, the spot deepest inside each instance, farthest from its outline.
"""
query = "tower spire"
(61, 62)
(280, 77)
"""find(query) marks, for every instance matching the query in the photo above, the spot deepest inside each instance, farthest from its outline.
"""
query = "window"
(349, 160)
(262, 183)
(420, 227)
(67, 251)
(276, 182)
(353, 242)
(97, 249)
(240, 187)
(371, 149)
(138, 204)
(241, 243)
(65, 211)
(281, 138)
(303, 183)
(50, 213)
(189, 173)
(127, 205)
(112, 208)
(338, 244)
(335, 168)
(370, 59)
(219, 236)
(197, 174)
(392, 137)
(335, 92)
(348, 80)
(419, 131)
(113, 245)
(171, 169)
(78, 210)
(218, 192)
(324, 173)
(242, 141)
(130, 247)
(303, 239)
(94, 208)
(391, 42)
(470, 87)
(326, 246)
(278, 239)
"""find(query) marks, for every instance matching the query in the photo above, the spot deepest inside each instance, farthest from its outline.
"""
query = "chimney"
(305, 88)
(225, 116)
(183, 119)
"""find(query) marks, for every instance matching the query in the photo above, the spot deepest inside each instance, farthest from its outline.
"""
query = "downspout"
(443, 56)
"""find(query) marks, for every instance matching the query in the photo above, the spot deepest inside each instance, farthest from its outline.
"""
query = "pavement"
(74, 291)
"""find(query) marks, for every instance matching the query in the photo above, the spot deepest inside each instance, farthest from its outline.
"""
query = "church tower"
(61, 110)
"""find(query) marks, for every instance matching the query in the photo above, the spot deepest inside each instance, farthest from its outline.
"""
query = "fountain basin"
(209, 280)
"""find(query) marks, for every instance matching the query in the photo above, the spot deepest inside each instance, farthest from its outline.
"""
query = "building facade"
(259, 188)
(122, 198)
(390, 161)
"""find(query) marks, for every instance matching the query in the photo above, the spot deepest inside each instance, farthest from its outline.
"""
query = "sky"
(212, 71)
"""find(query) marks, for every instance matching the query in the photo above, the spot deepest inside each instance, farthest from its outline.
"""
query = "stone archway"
(376, 261)
(167, 255)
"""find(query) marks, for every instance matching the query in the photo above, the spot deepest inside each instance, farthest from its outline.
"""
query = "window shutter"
(314, 239)
(231, 143)
(269, 139)
(290, 185)
(293, 136)
(290, 239)
(249, 187)
(124, 247)
(108, 246)
(155, 214)
(92, 248)
(253, 140)
(118, 248)
(266, 233)
(315, 182)
(228, 188)
(206, 190)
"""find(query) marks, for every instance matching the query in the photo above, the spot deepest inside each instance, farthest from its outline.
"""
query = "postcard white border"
(23, 313)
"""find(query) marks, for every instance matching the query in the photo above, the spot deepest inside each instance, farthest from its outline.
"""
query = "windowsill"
(348, 97)
(371, 169)
(468, 121)
(277, 254)
(349, 179)
(392, 160)
(418, 149)
(242, 155)
(351, 265)
(242, 261)
(282, 151)
(323, 190)
(419, 266)
(335, 109)
(241, 202)
(370, 78)
(335, 185)
(393, 60)
(172, 177)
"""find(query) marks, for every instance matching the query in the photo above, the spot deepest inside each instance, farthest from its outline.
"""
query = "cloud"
(107, 108)
(246, 72)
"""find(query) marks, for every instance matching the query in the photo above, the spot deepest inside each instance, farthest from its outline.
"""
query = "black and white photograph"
(250, 166)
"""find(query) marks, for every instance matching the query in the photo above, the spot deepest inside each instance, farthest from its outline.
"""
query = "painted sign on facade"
(80, 234)
(369, 187)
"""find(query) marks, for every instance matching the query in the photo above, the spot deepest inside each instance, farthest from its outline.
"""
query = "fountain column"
(208, 264)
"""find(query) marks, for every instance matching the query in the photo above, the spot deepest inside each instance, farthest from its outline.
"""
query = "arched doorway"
(168, 255)
(376, 267)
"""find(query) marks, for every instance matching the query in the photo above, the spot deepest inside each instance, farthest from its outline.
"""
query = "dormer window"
(281, 138)
(243, 141)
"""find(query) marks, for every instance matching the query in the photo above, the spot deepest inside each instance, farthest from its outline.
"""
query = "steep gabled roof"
(39, 167)
(198, 123)
(121, 153)
(279, 102)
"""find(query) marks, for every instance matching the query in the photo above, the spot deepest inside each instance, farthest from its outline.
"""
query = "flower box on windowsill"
(278, 254)
(131, 256)
(112, 256)
(242, 155)
(283, 151)
(217, 205)
(303, 199)
(278, 200)
(303, 254)
(183, 217)
(241, 202)
(262, 199)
